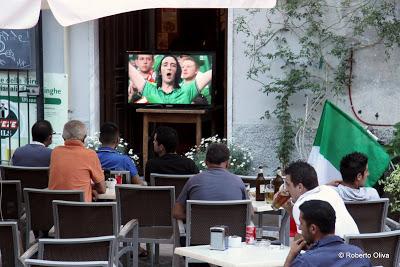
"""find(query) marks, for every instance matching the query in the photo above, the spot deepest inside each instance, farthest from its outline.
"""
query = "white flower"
(234, 160)
(232, 164)
(203, 164)
(135, 157)
(125, 144)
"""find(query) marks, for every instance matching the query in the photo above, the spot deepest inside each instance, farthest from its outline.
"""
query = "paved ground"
(165, 257)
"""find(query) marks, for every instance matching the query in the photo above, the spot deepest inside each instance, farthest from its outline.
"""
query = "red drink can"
(250, 234)
(118, 178)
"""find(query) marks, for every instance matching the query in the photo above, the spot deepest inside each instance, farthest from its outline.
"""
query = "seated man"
(214, 184)
(74, 167)
(302, 185)
(354, 170)
(37, 153)
(168, 162)
(324, 248)
(110, 158)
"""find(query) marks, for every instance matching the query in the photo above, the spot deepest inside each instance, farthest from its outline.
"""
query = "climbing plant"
(308, 43)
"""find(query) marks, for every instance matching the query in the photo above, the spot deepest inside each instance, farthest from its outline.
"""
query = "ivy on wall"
(303, 46)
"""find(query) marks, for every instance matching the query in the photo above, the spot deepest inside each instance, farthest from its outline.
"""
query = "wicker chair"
(30, 177)
(201, 215)
(9, 244)
(39, 208)
(176, 180)
(76, 219)
(369, 215)
(386, 243)
(11, 200)
(73, 249)
(152, 207)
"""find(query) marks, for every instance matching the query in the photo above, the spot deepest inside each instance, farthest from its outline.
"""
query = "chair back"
(30, 177)
(385, 243)
(126, 176)
(176, 180)
(77, 249)
(36, 262)
(252, 179)
(84, 219)
(201, 215)
(11, 200)
(9, 244)
(39, 207)
(369, 215)
(150, 205)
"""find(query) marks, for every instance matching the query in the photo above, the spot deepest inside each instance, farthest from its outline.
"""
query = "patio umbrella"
(23, 14)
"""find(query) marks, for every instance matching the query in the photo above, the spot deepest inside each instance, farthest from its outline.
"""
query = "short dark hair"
(217, 153)
(320, 213)
(41, 130)
(302, 172)
(178, 73)
(167, 137)
(351, 165)
(109, 133)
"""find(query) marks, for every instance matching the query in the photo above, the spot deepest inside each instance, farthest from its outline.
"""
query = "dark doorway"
(163, 30)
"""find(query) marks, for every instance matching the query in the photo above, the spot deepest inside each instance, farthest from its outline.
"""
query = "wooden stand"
(169, 116)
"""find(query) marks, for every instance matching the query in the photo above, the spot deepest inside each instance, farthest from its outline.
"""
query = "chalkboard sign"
(15, 49)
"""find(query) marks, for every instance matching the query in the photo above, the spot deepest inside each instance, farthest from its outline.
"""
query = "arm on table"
(136, 180)
(100, 187)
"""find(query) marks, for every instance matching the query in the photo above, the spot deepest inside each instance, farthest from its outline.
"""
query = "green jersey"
(183, 95)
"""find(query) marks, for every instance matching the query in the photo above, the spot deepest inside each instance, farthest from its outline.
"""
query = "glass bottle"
(260, 185)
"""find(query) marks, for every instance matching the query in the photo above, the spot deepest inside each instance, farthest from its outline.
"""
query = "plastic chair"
(85, 219)
(176, 180)
(30, 177)
(39, 208)
(152, 207)
(73, 249)
(9, 244)
(201, 215)
(369, 215)
(11, 200)
(385, 243)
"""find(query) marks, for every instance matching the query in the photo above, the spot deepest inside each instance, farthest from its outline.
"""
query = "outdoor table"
(245, 256)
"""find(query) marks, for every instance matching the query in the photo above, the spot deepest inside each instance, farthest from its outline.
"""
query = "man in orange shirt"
(74, 167)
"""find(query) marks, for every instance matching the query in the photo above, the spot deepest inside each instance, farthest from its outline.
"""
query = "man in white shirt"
(354, 170)
(302, 185)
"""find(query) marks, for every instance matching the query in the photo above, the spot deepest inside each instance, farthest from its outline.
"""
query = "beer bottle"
(260, 185)
(278, 181)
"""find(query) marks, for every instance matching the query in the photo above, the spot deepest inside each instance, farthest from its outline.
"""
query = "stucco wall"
(375, 90)
(74, 51)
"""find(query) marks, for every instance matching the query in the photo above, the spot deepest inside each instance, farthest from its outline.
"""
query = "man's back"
(345, 224)
(333, 252)
(214, 185)
(73, 167)
(360, 194)
(112, 160)
(170, 163)
(32, 155)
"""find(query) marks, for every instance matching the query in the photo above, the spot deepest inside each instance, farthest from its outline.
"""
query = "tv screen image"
(170, 79)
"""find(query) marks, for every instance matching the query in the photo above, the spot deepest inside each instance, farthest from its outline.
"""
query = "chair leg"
(157, 253)
(152, 254)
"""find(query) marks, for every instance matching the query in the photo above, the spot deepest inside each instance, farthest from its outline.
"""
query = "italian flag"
(338, 135)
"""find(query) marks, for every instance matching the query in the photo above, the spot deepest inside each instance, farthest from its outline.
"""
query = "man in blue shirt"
(37, 153)
(317, 222)
(110, 158)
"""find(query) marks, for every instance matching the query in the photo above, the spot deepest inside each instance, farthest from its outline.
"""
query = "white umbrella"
(23, 14)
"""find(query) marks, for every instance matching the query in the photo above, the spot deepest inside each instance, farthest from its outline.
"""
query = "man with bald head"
(74, 167)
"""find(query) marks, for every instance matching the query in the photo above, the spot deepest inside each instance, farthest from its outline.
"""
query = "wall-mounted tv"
(173, 79)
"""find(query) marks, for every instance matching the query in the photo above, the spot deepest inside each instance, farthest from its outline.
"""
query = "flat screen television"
(170, 79)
